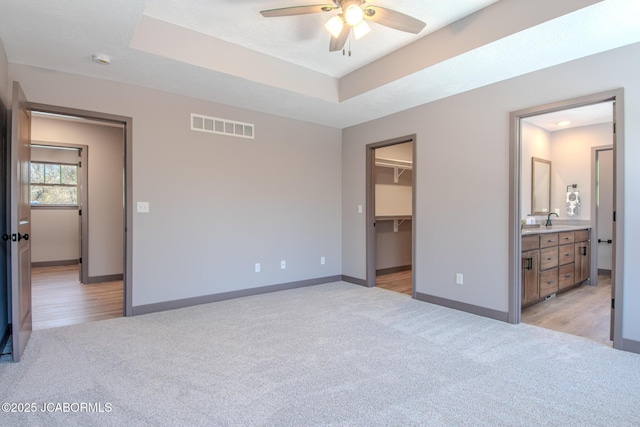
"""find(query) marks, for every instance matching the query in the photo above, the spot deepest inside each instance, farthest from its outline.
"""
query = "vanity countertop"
(553, 229)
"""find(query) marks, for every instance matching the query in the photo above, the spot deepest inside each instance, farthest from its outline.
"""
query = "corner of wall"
(4, 76)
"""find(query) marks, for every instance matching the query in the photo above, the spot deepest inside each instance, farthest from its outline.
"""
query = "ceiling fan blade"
(392, 19)
(337, 43)
(297, 10)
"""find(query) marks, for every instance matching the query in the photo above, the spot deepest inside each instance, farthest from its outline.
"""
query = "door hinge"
(614, 216)
(613, 304)
(80, 212)
(79, 164)
(80, 260)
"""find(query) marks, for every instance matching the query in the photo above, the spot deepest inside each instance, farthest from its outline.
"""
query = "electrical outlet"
(459, 279)
(142, 207)
(257, 267)
(283, 264)
(359, 208)
(322, 260)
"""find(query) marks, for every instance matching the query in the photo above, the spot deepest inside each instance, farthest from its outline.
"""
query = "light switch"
(143, 207)
(359, 208)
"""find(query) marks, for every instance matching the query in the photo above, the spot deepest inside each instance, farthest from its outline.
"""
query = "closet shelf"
(398, 166)
(397, 220)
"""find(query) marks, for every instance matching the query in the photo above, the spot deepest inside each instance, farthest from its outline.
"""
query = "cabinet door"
(548, 239)
(548, 282)
(582, 265)
(566, 254)
(530, 269)
(566, 276)
(548, 258)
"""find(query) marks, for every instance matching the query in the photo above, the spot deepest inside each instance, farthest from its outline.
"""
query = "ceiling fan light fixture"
(361, 30)
(334, 25)
(354, 14)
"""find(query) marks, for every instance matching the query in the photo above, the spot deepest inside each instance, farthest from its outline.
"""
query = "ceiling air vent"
(208, 124)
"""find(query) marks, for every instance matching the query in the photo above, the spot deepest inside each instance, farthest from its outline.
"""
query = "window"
(54, 184)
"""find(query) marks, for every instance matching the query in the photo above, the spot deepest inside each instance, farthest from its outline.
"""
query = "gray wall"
(570, 153)
(462, 204)
(571, 157)
(55, 233)
(4, 77)
(105, 165)
(218, 204)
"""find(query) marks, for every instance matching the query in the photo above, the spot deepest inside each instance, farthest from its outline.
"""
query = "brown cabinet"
(530, 276)
(582, 263)
(553, 262)
(566, 277)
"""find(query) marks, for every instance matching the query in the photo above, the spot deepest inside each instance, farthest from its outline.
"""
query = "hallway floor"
(59, 299)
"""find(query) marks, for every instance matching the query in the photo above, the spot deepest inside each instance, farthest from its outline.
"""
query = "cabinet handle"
(549, 259)
(566, 276)
(550, 282)
(528, 263)
(584, 250)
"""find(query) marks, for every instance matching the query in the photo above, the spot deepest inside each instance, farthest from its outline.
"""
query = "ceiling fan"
(353, 14)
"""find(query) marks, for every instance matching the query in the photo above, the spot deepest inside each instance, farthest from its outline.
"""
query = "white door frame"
(514, 200)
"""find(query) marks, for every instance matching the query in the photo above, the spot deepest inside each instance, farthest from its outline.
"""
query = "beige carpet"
(335, 354)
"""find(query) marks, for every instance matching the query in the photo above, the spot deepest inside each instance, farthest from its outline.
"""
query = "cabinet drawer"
(548, 282)
(581, 235)
(548, 258)
(566, 255)
(566, 277)
(566, 238)
(530, 242)
(548, 239)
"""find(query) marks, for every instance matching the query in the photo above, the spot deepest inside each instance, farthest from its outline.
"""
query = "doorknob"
(15, 237)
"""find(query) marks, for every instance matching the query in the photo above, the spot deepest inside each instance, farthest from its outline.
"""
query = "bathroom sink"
(553, 228)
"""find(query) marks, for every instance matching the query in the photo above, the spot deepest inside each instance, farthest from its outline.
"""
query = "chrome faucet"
(548, 223)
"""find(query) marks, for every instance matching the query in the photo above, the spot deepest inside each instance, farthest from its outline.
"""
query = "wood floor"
(397, 282)
(60, 299)
(584, 311)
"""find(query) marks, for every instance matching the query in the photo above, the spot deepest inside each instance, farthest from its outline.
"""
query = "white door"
(20, 222)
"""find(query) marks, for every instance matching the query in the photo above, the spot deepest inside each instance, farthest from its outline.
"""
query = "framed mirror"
(540, 186)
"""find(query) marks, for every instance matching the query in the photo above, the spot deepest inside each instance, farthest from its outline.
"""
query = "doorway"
(571, 182)
(390, 209)
(19, 223)
(77, 246)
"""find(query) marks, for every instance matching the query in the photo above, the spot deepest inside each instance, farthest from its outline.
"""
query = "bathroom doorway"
(390, 230)
(569, 300)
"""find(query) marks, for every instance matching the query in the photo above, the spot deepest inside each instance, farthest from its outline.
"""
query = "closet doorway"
(390, 210)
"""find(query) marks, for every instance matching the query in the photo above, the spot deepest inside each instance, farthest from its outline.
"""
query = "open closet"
(393, 181)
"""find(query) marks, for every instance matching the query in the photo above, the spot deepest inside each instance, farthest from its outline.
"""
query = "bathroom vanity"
(554, 259)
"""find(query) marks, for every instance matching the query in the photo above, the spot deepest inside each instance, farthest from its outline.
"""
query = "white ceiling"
(577, 117)
(225, 51)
